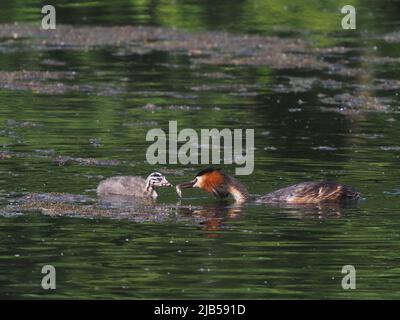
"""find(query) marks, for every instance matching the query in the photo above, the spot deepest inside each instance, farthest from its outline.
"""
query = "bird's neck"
(150, 191)
(238, 191)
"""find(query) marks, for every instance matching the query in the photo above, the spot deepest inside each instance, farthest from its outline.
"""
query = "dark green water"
(257, 252)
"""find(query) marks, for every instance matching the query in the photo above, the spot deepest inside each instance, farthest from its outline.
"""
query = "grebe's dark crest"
(219, 184)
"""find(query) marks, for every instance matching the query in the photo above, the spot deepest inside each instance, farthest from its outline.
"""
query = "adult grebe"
(221, 185)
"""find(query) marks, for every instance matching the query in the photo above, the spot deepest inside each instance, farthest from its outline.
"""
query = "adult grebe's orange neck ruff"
(221, 185)
(210, 181)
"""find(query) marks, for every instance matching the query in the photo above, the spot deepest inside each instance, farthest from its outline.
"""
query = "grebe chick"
(221, 185)
(133, 186)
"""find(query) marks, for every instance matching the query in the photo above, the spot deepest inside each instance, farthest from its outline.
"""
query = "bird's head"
(210, 180)
(157, 179)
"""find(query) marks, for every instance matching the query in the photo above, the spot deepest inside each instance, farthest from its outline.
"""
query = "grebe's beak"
(184, 185)
(166, 183)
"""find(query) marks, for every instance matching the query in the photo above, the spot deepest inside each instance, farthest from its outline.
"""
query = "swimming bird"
(133, 186)
(221, 185)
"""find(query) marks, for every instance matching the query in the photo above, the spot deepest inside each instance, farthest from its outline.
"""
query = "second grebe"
(133, 186)
(221, 185)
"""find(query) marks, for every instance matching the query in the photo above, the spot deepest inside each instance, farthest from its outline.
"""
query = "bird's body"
(221, 185)
(125, 185)
(311, 192)
(133, 186)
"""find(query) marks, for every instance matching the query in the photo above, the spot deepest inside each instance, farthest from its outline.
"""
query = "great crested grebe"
(133, 186)
(221, 185)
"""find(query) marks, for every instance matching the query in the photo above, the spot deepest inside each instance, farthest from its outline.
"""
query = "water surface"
(332, 115)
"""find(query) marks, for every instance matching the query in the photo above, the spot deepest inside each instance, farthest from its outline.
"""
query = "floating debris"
(141, 124)
(303, 84)
(392, 37)
(379, 60)
(378, 84)
(324, 148)
(390, 148)
(46, 152)
(53, 62)
(95, 142)
(65, 160)
(203, 47)
(11, 123)
(183, 108)
(73, 205)
(345, 71)
(58, 159)
(294, 84)
(360, 103)
(152, 107)
(53, 83)
(215, 75)
(37, 81)
(54, 198)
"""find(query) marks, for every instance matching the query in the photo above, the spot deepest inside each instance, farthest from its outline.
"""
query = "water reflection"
(322, 210)
(216, 217)
(213, 216)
